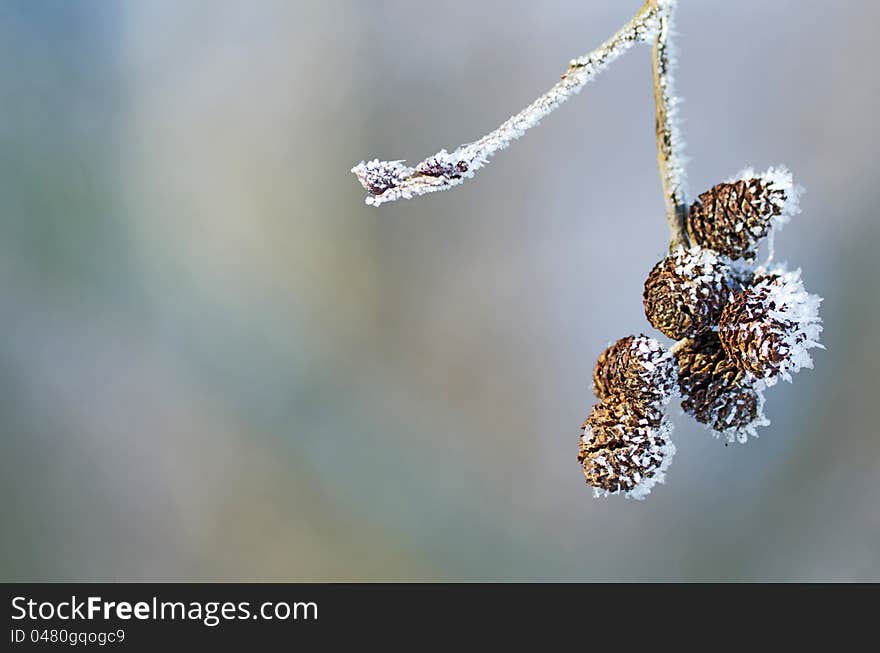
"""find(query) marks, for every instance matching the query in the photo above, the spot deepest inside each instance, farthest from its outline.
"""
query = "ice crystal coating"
(625, 448)
(670, 142)
(733, 217)
(387, 181)
(379, 176)
(686, 292)
(716, 392)
(768, 329)
(638, 367)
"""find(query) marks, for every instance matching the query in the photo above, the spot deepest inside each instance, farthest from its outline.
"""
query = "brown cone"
(623, 447)
(751, 334)
(686, 292)
(714, 390)
(768, 329)
(731, 218)
(638, 367)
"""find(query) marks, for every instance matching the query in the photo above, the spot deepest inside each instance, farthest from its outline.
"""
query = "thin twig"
(669, 142)
(387, 181)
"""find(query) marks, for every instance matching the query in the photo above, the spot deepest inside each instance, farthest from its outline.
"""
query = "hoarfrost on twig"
(670, 144)
(387, 181)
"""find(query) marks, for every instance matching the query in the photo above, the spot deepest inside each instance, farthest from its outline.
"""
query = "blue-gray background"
(217, 363)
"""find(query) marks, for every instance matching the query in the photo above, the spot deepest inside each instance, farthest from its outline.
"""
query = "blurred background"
(216, 363)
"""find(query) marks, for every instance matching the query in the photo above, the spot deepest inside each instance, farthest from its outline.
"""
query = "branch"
(669, 142)
(387, 181)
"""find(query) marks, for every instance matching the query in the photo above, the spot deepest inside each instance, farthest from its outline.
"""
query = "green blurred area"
(217, 363)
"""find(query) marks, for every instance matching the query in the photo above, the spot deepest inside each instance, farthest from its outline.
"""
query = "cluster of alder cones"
(739, 329)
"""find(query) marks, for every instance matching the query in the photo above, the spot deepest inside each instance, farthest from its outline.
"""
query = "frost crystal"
(781, 191)
(686, 292)
(625, 448)
(379, 176)
(669, 140)
(638, 367)
(732, 217)
(734, 431)
(769, 328)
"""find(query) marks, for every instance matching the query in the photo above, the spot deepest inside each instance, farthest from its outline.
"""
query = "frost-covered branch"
(387, 181)
(669, 141)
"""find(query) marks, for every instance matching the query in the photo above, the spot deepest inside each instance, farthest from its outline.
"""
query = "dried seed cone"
(638, 367)
(768, 329)
(716, 392)
(686, 292)
(733, 217)
(625, 448)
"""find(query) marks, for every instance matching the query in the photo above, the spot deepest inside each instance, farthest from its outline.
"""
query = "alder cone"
(638, 367)
(624, 447)
(752, 337)
(768, 329)
(686, 292)
(714, 390)
(732, 218)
